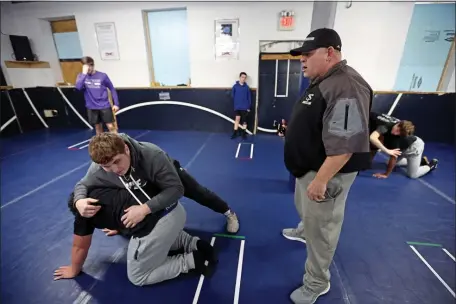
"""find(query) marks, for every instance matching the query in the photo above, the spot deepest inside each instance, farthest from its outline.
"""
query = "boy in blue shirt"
(242, 100)
(95, 85)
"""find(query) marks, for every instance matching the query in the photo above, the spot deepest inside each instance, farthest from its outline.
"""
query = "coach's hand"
(134, 214)
(65, 272)
(316, 190)
(394, 152)
(85, 207)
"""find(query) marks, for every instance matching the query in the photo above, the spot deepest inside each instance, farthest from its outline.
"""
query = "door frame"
(284, 46)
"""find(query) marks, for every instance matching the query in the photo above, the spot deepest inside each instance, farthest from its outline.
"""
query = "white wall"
(258, 21)
(373, 36)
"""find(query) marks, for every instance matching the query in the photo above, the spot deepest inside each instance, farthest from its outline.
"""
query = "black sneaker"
(207, 251)
(433, 164)
(200, 266)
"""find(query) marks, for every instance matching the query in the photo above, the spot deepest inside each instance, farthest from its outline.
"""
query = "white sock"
(227, 213)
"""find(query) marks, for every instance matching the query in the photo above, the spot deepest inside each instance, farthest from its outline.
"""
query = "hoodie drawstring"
(131, 192)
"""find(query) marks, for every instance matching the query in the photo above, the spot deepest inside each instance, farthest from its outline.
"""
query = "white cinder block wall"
(258, 21)
(373, 36)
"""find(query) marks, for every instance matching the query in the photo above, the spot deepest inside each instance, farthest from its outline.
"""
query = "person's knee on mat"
(145, 274)
(412, 175)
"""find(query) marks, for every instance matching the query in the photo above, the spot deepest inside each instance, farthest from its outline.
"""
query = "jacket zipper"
(346, 117)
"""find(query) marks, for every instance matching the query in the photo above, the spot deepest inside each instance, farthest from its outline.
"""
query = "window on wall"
(429, 38)
(68, 45)
(169, 45)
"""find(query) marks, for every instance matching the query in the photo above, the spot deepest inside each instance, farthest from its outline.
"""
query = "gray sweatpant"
(147, 258)
(321, 223)
(411, 158)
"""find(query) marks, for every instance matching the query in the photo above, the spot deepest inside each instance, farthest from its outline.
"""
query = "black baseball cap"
(319, 38)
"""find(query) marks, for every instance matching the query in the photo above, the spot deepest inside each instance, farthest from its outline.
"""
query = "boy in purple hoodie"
(242, 99)
(95, 85)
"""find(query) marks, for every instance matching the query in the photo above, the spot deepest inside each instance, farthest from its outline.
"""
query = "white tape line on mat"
(433, 271)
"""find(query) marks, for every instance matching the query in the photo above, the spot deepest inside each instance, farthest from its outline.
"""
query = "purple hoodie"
(95, 90)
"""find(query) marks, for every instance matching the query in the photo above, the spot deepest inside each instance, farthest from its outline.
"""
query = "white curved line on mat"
(8, 122)
(267, 130)
(176, 103)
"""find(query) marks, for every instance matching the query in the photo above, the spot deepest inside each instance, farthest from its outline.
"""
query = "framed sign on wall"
(107, 41)
(226, 39)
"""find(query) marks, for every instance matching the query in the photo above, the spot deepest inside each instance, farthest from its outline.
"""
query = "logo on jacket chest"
(387, 118)
(96, 83)
(131, 185)
(307, 100)
(141, 183)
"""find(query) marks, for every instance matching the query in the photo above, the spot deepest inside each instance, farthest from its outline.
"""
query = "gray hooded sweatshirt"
(150, 164)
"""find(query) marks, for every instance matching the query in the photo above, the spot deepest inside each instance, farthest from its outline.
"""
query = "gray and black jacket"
(330, 118)
(149, 164)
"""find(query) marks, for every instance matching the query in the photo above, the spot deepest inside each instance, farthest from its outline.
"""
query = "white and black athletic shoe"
(433, 164)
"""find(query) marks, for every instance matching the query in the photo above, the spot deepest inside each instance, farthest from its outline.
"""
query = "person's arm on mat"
(82, 239)
(81, 245)
(391, 164)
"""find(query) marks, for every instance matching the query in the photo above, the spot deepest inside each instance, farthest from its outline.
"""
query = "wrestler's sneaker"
(304, 295)
(293, 234)
(232, 223)
(200, 264)
(208, 252)
(433, 164)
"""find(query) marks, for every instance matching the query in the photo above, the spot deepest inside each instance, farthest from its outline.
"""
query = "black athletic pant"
(203, 196)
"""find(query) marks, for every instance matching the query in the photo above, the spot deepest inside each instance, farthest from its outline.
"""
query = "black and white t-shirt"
(383, 124)
(114, 202)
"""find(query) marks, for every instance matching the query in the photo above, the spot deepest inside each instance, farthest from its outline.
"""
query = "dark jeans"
(203, 196)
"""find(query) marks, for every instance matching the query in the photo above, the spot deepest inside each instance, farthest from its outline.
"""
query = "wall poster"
(107, 41)
(226, 39)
